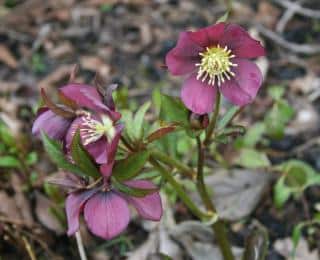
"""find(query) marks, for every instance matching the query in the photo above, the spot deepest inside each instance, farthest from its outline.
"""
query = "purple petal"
(53, 125)
(75, 125)
(107, 214)
(241, 43)
(182, 58)
(74, 205)
(108, 99)
(198, 96)
(208, 36)
(106, 169)
(88, 97)
(112, 147)
(244, 87)
(150, 206)
(99, 150)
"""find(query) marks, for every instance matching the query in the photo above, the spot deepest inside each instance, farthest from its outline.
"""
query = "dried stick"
(299, 9)
(288, 14)
(82, 252)
(294, 47)
(29, 249)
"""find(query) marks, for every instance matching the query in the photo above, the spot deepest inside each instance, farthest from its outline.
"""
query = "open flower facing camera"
(215, 59)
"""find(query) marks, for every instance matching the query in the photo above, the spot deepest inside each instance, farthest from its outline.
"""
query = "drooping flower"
(216, 58)
(106, 210)
(83, 108)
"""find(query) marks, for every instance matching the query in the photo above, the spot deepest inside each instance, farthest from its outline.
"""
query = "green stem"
(203, 192)
(171, 161)
(213, 120)
(218, 227)
(181, 193)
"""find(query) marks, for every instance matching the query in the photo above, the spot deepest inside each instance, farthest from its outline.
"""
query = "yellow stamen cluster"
(92, 130)
(215, 65)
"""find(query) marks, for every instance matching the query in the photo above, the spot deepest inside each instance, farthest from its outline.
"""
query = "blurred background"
(126, 43)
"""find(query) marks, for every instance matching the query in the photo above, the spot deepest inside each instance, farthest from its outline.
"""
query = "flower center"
(92, 130)
(215, 65)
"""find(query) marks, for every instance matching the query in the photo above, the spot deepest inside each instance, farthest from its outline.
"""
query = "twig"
(29, 249)
(288, 14)
(305, 207)
(294, 47)
(42, 244)
(299, 149)
(82, 252)
(299, 9)
(12, 221)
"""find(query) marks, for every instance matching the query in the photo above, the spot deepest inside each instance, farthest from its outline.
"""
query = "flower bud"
(198, 121)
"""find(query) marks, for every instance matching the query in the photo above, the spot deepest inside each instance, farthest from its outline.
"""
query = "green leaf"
(277, 118)
(8, 161)
(135, 192)
(225, 120)
(32, 158)
(298, 174)
(138, 120)
(82, 158)
(223, 18)
(250, 158)
(127, 119)
(296, 235)
(54, 150)
(6, 137)
(233, 130)
(130, 167)
(173, 110)
(276, 92)
(281, 193)
(156, 100)
(253, 135)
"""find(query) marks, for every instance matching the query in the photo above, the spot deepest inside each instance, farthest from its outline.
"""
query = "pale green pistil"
(92, 130)
(215, 65)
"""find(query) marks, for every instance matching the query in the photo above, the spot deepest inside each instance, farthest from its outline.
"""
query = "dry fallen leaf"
(267, 14)
(21, 200)
(61, 51)
(8, 207)
(305, 84)
(47, 219)
(7, 58)
(285, 247)
(306, 119)
(198, 240)
(236, 192)
(94, 63)
(54, 77)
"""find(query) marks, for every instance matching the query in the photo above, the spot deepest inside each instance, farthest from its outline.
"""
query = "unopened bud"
(198, 121)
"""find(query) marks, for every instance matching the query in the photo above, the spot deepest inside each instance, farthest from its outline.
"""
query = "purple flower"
(106, 210)
(53, 125)
(216, 59)
(84, 109)
(99, 135)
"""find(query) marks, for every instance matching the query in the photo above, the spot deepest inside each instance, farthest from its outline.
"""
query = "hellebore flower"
(83, 108)
(99, 135)
(106, 210)
(216, 59)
